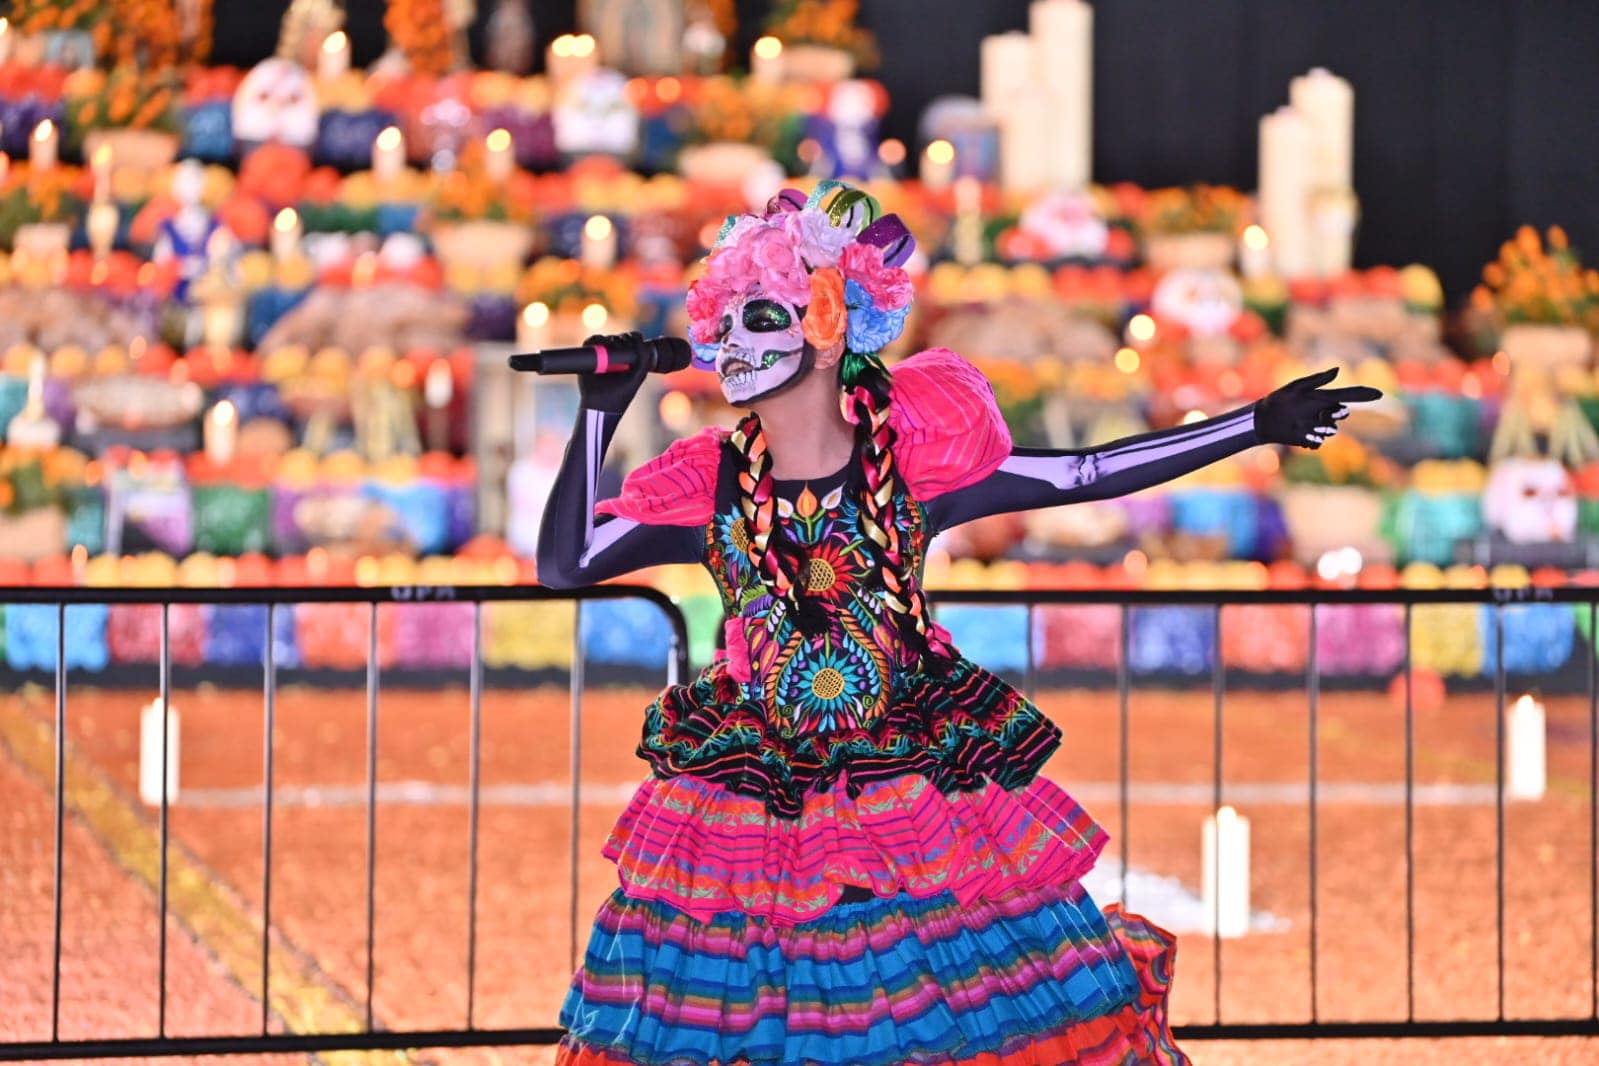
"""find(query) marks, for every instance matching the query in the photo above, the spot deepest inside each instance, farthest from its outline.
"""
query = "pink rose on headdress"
(706, 301)
(779, 271)
(820, 242)
(890, 287)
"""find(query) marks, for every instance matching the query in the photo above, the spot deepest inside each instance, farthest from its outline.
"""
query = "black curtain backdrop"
(1471, 116)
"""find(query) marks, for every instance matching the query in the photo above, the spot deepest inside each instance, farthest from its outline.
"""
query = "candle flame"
(337, 41)
(390, 139)
(1196, 415)
(768, 47)
(1127, 360)
(286, 220)
(891, 152)
(941, 152)
(1141, 328)
(582, 45)
(224, 413)
(101, 158)
(498, 140)
(536, 315)
(597, 228)
(562, 46)
(594, 316)
(44, 131)
(1255, 237)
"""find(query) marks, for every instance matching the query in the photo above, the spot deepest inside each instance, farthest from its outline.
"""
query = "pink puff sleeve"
(676, 488)
(949, 431)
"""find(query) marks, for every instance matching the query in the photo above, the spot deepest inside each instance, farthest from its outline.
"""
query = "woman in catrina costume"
(845, 853)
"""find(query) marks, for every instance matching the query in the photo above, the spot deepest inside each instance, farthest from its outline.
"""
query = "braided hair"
(780, 561)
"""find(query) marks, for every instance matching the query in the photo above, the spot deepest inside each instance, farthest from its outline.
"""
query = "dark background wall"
(1472, 116)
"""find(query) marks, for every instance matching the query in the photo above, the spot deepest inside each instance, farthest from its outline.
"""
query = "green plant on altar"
(824, 23)
(124, 98)
(31, 480)
(1539, 283)
(1193, 209)
(27, 198)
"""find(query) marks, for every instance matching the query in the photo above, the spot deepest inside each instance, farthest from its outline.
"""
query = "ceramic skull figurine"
(762, 348)
(1531, 501)
(276, 101)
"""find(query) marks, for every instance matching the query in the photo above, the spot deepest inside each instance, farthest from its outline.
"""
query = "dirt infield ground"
(524, 930)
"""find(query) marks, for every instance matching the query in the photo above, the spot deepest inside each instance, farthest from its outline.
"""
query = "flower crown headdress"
(834, 255)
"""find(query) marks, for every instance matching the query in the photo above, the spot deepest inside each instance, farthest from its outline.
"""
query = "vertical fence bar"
(1030, 676)
(371, 794)
(1593, 806)
(166, 710)
(575, 768)
(476, 689)
(60, 810)
(1499, 800)
(1410, 823)
(269, 690)
(1217, 684)
(1123, 697)
(1313, 686)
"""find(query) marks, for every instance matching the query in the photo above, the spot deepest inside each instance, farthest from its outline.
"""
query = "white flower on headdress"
(820, 242)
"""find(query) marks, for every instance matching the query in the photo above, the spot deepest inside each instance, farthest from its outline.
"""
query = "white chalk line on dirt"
(559, 794)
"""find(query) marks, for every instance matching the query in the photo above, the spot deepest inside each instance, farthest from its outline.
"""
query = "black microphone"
(662, 355)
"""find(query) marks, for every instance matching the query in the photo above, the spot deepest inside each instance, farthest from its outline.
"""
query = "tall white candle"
(100, 163)
(7, 40)
(221, 433)
(100, 225)
(1527, 775)
(1285, 139)
(1333, 215)
(533, 327)
(334, 60)
(154, 716)
(1006, 66)
(44, 147)
(499, 160)
(599, 244)
(388, 154)
(1028, 149)
(1328, 104)
(766, 60)
(1063, 61)
(1225, 874)
(1254, 252)
(286, 232)
(967, 237)
(570, 56)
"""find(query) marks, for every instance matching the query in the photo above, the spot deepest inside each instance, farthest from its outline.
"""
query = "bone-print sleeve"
(574, 547)
(1035, 477)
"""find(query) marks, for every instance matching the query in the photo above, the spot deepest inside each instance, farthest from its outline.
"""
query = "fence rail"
(1503, 1023)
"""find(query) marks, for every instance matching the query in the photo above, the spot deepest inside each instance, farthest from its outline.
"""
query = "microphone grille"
(672, 353)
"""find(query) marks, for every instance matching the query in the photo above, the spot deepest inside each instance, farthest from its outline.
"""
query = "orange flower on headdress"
(825, 315)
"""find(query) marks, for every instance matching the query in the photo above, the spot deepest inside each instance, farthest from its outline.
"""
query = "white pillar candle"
(499, 158)
(599, 244)
(100, 225)
(7, 40)
(286, 232)
(1063, 62)
(388, 154)
(44, 147)
(1527, 771)
(967, 238)
(1225, 874)
(570, 56)
(221, 433)
(100, 163)
(1006, 66)
(1333, 214)
(766, 60)
(1028, 149)
(151, 720)
(1254, 252)
(334, 60)
(1328, 104)
(533, 327)
(1285, 139)
(938, 165)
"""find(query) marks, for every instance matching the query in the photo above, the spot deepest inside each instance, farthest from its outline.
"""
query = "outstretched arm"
(576, 549)
(1299, 413)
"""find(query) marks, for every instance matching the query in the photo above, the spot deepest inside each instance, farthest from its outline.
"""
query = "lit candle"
(1225, 874)
(100, 167)
(599, 244)
(1029, 141)
(334, 60)
(533, 327)
(968, 229)
(499, 161)
(1254, 252)
(286, 231)
(100, 226)
(1006, 66)
(938, 165)
(388, 154)
(44, 147)
(156, 715)
(766, 60)
(438, 389)
(1333, 214)
(221, 433)
(5, 40)
(1526, 742)
(570, 56)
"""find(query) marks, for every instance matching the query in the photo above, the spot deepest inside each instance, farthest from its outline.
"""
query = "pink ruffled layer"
(702, 849)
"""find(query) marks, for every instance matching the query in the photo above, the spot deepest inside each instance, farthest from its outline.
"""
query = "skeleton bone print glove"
(1304, 414)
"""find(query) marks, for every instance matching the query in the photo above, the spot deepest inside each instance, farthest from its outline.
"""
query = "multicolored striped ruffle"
(958, 730)
(703, 850)
(1032, 977)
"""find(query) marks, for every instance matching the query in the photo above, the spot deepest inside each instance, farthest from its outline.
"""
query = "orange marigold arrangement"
(828, 23)
(125, 98)
(419, 30)
(1196, 209)
(468, 193)
(566, 286)
(1539, 281)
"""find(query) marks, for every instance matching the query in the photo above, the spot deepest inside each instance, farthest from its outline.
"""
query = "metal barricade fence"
(1582, 601)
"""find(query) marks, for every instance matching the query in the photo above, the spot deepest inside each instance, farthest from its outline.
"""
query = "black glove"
(613, 392)
(1303, 414)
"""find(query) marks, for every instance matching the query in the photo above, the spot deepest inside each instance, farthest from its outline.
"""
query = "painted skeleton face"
(762, 348)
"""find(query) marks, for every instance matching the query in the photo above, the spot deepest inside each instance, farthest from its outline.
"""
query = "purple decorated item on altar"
(461, 496)
(846, 132)
(1360, 638)
(532, 134)
(148, 507)
(429, 636)
(1179, 640)
(1147, 512)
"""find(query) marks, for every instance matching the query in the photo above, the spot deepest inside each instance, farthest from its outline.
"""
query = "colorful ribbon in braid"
(771, 553)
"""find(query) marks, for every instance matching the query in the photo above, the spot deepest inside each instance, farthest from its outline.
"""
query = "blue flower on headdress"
(870, 330)
(705, 354)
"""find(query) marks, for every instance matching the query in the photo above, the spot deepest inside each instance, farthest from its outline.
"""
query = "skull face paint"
(762, 348)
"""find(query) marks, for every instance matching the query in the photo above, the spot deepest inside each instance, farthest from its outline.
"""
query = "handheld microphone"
(662, 355)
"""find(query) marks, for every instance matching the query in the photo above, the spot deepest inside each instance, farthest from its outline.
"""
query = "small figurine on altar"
(594, 116)
(276, 101)
(1065, 224)
(636, 36)
(188, 235)
(1530, 500)
(847, 131)
(306, 24)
